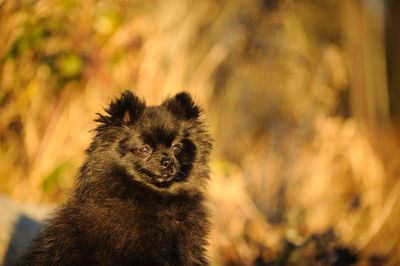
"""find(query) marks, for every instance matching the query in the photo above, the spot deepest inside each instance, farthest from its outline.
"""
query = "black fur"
(129, 207)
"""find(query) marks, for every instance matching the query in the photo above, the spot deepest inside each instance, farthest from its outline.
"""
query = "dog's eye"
(145, 150)
(176, 149)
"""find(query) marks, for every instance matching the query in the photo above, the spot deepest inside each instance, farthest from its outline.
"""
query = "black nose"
(167, 162)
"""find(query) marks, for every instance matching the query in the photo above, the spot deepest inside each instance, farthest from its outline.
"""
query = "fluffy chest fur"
(160, 231)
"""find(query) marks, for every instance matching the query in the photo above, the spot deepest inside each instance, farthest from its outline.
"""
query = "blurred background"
(302, 98)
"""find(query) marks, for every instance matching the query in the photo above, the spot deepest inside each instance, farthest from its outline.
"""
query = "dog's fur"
(139, 197)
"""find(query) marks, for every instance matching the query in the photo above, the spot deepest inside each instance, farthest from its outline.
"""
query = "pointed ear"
(124, 110)
(182, 106)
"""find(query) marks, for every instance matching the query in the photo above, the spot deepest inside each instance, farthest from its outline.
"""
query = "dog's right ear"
(182, 105)
(124, 110)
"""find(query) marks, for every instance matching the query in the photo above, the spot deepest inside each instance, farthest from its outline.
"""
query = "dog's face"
(157, 145)
(156, 149)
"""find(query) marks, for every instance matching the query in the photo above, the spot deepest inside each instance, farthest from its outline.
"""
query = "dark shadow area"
(25, 230)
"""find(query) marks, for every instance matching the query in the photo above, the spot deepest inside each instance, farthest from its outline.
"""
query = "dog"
(139, 198)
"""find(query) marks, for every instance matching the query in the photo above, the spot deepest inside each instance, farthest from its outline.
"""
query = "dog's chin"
(163, 182)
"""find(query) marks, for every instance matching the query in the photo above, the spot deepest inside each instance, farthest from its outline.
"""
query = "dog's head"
(157, 145)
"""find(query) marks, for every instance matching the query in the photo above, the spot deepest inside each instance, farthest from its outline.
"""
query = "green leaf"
(70, 65)
(53, 179)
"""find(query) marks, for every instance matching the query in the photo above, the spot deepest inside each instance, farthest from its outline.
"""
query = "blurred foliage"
(301, 96)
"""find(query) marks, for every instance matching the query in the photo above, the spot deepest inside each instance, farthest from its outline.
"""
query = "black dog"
(139, 196)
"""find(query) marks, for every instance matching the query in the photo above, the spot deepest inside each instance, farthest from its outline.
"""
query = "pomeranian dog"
(139, 197)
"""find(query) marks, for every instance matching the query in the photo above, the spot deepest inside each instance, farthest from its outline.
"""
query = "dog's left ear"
(182, 106)
(124, 110)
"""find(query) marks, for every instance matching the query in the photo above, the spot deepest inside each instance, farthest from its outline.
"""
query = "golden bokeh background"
(302, 98)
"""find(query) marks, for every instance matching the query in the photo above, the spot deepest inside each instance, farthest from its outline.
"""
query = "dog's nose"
(167, 162)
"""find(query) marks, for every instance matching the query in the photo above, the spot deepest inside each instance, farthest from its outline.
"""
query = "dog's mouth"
(163, 181)
(165, 176)
(162, 178)
(167, 172)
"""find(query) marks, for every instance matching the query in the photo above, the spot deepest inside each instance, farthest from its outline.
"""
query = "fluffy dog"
(139, 197)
